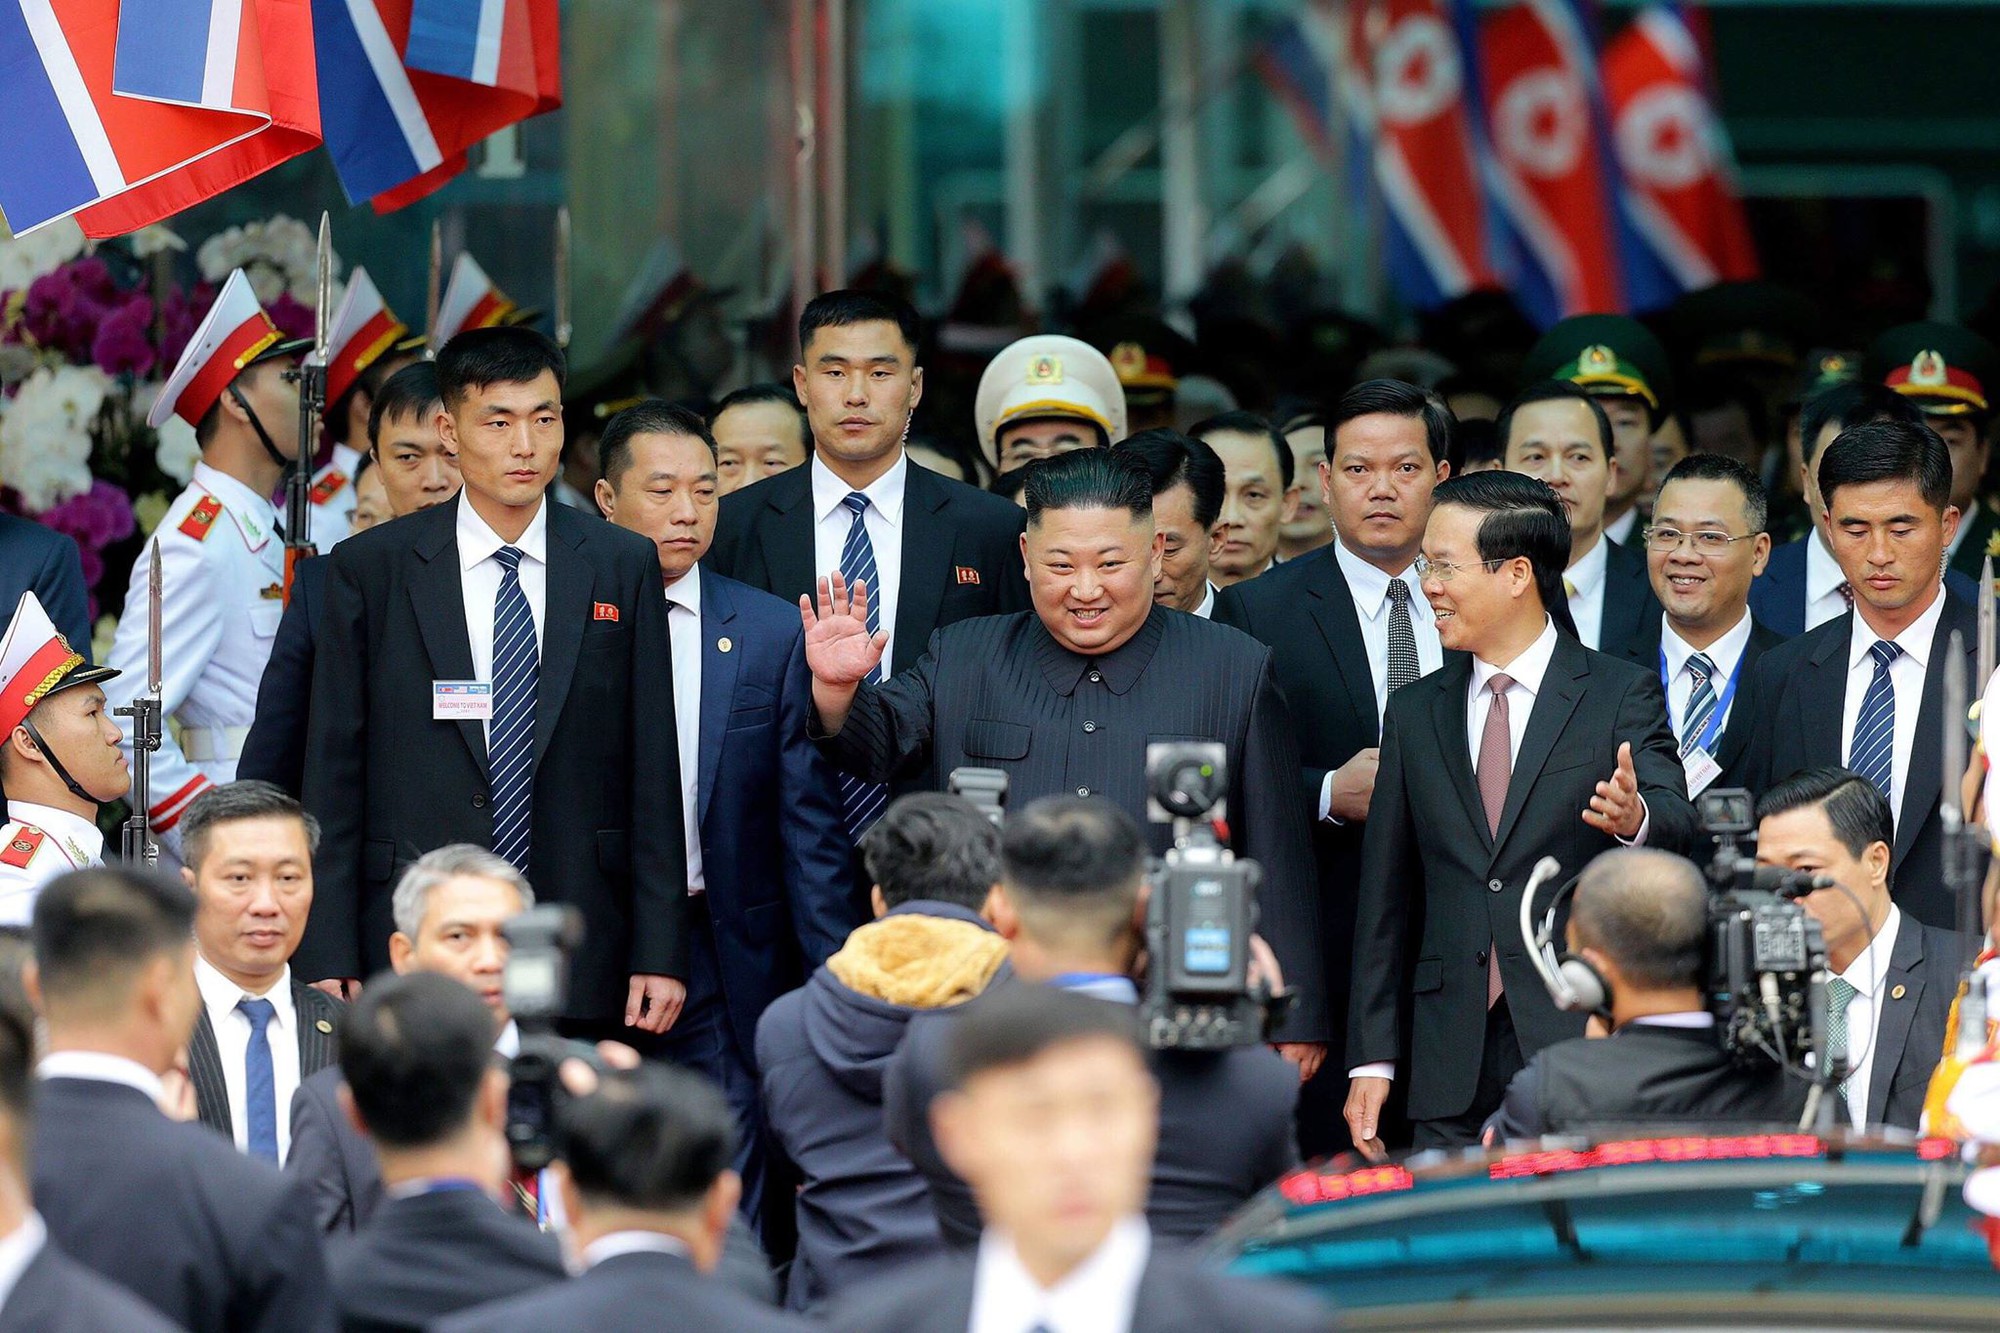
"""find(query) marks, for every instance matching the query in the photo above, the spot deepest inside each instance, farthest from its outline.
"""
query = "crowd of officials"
(843, 1049)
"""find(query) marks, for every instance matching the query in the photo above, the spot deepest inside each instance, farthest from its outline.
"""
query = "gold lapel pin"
(324, 1026)
(723, 644)
(1896, 994)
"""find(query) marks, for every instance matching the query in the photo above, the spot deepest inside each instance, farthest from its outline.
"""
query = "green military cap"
(1825, 368)
(1946, 369)
(1752, 323)
(1610, 356)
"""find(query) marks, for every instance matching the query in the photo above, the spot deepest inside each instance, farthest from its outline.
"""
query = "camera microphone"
(1789, 884)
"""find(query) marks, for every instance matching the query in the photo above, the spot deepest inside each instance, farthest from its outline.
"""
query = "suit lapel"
(1628, 602)
(1736, 731)
(787, 540)
(718, 684)
(437, 595)
(563, 620)
(1448, 711)
(1905, 978)
(315, 1047)
(927, 548)
(1562, 686)
(1331, 606)
(1924, 779)
(211, 1089)
(1822, 695)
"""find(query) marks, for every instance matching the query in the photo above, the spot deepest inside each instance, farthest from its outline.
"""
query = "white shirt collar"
(253, 512)
(1693, 1019)
(632, 1242)
(1098, 1293)
(477, 541)
(220, 995)
(508, 1044)
(103, 1067)
(1527, 668)
(1587, 574)
(1725, 652)
(1965, 521)
(1620, 529)
(1915, 640)
(685, 591)
(1207, 608)
(18, 1249)
(1823, 572)
(76, 833)
(1871, 966)
(1370, 586)
(885, 493)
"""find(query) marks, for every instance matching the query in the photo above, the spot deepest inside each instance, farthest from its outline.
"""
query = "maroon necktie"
(1496, 767)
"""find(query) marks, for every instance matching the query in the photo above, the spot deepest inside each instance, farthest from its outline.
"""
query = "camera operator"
(1638, 938)
(1893, 975)
(1072, 905)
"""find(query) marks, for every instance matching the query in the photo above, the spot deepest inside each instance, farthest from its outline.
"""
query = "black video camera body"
(540, 942)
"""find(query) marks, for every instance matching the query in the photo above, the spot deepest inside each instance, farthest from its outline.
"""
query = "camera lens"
(1188, 788)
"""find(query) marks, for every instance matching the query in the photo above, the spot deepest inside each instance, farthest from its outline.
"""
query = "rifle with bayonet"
(312, 405)
(135, 836)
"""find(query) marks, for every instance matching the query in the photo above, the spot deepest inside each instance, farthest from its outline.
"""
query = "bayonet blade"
(563, 327)
(1989, 623)
(1955, 704)
(434, 287)
(322, 312)
(154, 586)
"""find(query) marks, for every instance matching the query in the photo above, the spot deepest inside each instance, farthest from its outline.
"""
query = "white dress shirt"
(632, 1242)
(103, 1067)
(1620, 529)
(1823, 580)
(883, 520)
(684, 632)
(18, 1249)
(1097, 1296)
(1369, 587)
(479, 575)
(220, 996)
(1586, 607)
(1906, 677)
(1207, 608)
(1867, 973)
(1725, 652)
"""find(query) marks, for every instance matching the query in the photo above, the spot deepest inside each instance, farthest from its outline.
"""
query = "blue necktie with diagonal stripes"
(862, 801)
(1872, 753)
(510, 742)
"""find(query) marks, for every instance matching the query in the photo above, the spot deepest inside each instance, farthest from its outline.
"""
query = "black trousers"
(1498, 1063)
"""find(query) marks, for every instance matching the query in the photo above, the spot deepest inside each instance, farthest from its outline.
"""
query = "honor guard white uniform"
(37, 843)
(332, 498)
(223, 581)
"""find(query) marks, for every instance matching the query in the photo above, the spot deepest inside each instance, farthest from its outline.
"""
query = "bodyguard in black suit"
(56, 1294)
(204, 1234)
(1067, 698)
(1895, 975)
(1866, 690)
(507, 686)
(1532, 746)
(38, 559)
(1343, 637)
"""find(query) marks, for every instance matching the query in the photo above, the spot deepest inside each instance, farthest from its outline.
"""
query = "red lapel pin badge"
(604, 611)
(967, 574)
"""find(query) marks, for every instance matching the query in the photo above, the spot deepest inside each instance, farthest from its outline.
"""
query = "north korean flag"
(1679, 190)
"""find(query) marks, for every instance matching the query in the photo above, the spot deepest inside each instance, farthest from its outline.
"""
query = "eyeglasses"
(1445, 573)
(1706, 542)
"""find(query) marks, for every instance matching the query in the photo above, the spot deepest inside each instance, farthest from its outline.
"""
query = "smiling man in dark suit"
(503, 681)
(1529, 746)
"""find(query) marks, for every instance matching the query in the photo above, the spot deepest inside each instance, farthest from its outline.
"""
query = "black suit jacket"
(961, 550)
(1732, 747)
(631, 1293)
(56, 1294)
(1438, 889)
(205, 1235)
(1913, 1001)
(1801, 690)
(1778, 595)
(334, 1159)
(424, 1257)
(316, 1051)
(1000, 692)
(275, 749)
(1176, 1295)
(389, 784)
(38, 559)
(1630, 625)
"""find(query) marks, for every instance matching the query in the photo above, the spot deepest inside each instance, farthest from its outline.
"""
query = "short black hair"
(1396, 398)
(245, 798)
(498, 355)
(1071, 846)
(1888, 451)
(1475, 440)
(654, 416)
(1012, 1025)
(1721, 467)
(1845, 405)
(1523, 518)
(1249, 423)
(781, 395)
(1648, 910)
(935, 847)
(1856, 807)
(653, 1139)
(1088, 479)
(414, 1050)
(1172, 459)
(94, 929)
(1712, 389)
(849, 306)
(1555, 391)
(410, 392)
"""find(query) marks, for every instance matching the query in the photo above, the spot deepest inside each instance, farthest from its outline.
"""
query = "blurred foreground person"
(1052, 1116)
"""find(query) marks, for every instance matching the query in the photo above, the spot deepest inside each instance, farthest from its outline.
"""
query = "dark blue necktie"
(862, 801)
(1872, 754)
(510, 745)
(260, 1084)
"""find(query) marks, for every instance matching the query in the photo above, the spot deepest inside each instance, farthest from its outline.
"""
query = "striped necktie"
(510, 742)
(861, 801)
(1701, 704)
(1873, 750)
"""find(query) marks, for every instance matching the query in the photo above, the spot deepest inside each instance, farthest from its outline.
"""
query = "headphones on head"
(1573, 982)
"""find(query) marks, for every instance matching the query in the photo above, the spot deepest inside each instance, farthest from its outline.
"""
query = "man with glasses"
(1705, 544)
(1528, 745)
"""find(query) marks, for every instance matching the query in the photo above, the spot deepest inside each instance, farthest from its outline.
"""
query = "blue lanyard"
(1706, 740)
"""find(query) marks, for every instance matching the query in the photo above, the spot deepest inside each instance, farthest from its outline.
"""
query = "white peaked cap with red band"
(235, 333)
(363, 329)
(471, 301)
(35, 662)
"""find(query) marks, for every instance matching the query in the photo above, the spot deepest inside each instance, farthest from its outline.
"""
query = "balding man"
(1638, 925)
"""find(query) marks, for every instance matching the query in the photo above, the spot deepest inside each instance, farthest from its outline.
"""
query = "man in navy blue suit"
(43, 561)
(768, 853)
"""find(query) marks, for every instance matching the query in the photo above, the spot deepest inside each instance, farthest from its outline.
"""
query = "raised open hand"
(839, 649)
